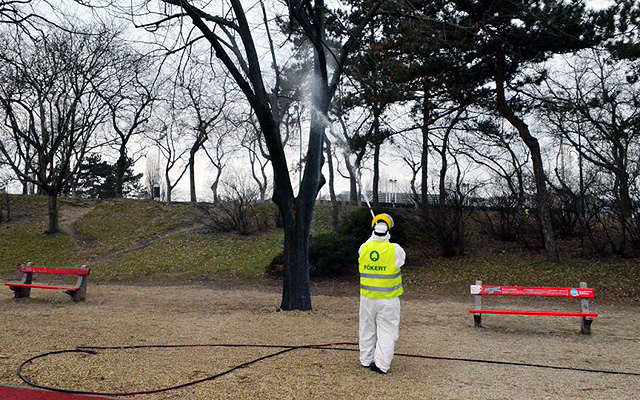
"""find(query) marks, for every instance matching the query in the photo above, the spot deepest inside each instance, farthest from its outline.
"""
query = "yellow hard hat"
(383, 217)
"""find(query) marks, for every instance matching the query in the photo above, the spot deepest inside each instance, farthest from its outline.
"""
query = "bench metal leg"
(21, 292)
(477, 318)
(80, 294)
(585, 322)
(585, 325)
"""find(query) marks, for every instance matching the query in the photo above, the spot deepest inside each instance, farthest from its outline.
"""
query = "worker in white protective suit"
(380, 289)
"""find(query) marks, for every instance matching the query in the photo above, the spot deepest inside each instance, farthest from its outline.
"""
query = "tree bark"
(376, 175)
(192, 175)
(426, 120)
(376, 157)
(121, 168)
(625, 205)
(335, 206)
(53, 214)
(353, 182)
(296, 293)
(297, 215)
(25, 181)
(169, 187)
(215, 184)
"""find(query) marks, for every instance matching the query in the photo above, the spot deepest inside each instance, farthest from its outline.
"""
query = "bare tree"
(445, 225)
(201, 99)
(351, 139)
(243, 64)
(130, 99)
(594, 109)
(50, 106)
(168, 138)
(253, 143)
(407, 153)
(220, 152)
(497, 151)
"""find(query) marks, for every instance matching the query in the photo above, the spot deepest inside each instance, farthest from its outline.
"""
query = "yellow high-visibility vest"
(379, 277)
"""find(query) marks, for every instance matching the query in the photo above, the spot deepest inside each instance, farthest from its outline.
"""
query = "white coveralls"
(379, 321)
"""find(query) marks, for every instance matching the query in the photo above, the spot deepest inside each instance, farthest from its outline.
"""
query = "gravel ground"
(116, 315)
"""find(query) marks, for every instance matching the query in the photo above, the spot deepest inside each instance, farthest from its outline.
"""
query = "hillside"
(130, 240)
(147, 242)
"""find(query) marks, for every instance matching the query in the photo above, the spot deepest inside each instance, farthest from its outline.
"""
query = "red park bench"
(23, 288)
(582, 293)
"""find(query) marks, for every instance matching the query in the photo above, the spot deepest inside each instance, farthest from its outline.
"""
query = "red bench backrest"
(531, 291)
(53, 270)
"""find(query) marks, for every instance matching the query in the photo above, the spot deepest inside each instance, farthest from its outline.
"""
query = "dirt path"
(71, 214)
(132, 315)
(103, 259)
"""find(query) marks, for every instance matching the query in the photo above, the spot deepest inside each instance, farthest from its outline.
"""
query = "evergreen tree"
(98, 179)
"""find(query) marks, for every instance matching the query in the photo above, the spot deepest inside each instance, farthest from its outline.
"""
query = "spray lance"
(382, 217)
(373, 215)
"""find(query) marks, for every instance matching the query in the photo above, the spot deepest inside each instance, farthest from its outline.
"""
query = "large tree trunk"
(625, 205)
(376, 157)
(425, 149)
(542, 197)
(192, 175)
(53, 214)
(354, 195)
(297, 215)
(121, 169)
(335, 207)
(296, 292)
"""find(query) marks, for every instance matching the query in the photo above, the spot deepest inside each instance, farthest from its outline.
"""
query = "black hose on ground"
(93, 350)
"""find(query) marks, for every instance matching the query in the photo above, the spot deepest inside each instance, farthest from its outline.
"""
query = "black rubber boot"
(375, 368)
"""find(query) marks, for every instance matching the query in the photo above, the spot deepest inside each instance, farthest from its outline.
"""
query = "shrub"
(240, 211)
(330, 255)
(335, 254)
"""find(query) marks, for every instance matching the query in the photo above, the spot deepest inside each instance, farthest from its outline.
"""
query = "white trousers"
(379, 321)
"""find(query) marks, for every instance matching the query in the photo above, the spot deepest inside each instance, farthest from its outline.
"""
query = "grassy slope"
(197, 256)
(173, 250)
(613, 279)
(126, 240)
(22, 239)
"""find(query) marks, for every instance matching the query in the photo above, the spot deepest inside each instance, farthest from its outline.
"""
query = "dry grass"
(116, 315)
(122, 243)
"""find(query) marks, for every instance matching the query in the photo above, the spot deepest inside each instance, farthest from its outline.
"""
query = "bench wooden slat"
(552, 313)
(26, 285)
(485, 290)
(54, 270)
